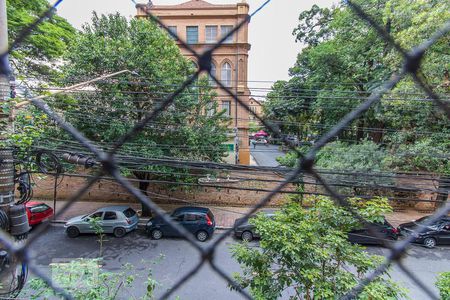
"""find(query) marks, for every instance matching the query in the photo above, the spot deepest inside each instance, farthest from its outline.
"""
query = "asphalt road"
(266, 155)
(170, 259)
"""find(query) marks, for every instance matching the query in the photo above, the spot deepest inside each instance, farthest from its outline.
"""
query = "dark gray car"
(246, 231)
(118, 220)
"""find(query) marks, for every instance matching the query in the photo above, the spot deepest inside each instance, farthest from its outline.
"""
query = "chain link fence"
(411, 66)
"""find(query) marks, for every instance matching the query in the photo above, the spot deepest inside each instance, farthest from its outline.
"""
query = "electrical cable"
(164, 182)
(4, 220)
(25, 189)
(171, 161)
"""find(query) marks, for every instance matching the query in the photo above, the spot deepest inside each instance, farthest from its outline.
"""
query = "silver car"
(118, 220)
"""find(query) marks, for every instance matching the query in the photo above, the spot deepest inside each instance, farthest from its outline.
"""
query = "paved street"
(179, 258)
(266, 155)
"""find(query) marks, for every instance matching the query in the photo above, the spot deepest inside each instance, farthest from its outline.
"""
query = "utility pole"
(6, 156)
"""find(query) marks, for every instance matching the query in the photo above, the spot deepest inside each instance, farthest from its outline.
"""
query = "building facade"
(256, 108)
(201, 24)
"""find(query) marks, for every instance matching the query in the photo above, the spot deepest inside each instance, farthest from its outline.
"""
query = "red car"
(38, 212)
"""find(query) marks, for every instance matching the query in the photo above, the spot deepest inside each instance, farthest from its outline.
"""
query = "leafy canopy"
(39, 53)
(108, 109)
(345, 60)
(443, 284)
(305, 253)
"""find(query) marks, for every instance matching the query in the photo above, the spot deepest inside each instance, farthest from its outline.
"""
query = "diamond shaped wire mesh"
(411, 66)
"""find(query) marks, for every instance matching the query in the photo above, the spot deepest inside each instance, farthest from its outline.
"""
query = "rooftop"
(192, 4)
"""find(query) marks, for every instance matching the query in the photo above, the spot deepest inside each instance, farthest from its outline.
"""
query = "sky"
(273, 50)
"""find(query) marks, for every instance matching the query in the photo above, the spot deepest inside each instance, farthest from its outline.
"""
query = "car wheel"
(202, 235)
(73, 231)
(429, 242)
(119, 232)
(247, 236)
(156, 234)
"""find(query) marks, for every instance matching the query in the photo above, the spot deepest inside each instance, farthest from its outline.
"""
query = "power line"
(165, 182)
(177, 162)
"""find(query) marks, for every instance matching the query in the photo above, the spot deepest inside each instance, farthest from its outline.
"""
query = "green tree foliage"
(351, 168)
(37, 55)
(111, 44)
(305, 253)
(112, 107)
(443, 284)
(96, 224)
(345, 60)
(85, 279)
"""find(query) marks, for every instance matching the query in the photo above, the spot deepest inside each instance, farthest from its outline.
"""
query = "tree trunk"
(360, 130)
(146, 211)
(377, 135)
(143, 186)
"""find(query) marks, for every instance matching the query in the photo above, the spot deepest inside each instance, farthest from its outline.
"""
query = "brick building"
(256, 107)
(201, 24)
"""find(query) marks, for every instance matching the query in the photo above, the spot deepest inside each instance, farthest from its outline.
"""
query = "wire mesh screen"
(107, 159)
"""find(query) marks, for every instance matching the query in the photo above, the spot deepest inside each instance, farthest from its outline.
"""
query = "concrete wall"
(225, 194)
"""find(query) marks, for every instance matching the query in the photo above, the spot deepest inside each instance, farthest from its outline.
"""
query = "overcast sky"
(273, 49)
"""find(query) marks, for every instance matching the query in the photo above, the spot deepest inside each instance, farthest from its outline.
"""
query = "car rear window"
(192, 217)
(39, 208)
(210, 215)
(129, 212)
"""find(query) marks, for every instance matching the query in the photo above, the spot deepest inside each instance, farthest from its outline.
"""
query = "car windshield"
(421, 220)
(129, 212)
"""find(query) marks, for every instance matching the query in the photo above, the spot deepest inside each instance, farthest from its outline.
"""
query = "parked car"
(292, 140)
(385, 231)
(38, 212)
(246, 231)
(437, 233)
(197, 220)
(118, 220)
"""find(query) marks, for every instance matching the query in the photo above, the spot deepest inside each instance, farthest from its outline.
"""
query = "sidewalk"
(225, 216)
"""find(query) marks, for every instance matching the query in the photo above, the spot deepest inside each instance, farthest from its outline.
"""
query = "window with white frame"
(225, 74)
(173, 31)
(192, 34)
(211, 34)
(224, 30)
(213, 73)
(194, 65)
(210, 109)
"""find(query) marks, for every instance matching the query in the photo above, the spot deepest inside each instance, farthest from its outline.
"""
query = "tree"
(351, 168)
(443, 283)
(85, 279)
(111, 108)
(305, 253)
(38, 53)
(95, 223)
(345, 60)
(37, 56)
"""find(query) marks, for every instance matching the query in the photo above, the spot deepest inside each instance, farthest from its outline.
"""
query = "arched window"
(213, 73)
(194, 68)
(225, 74)
(194, 65)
